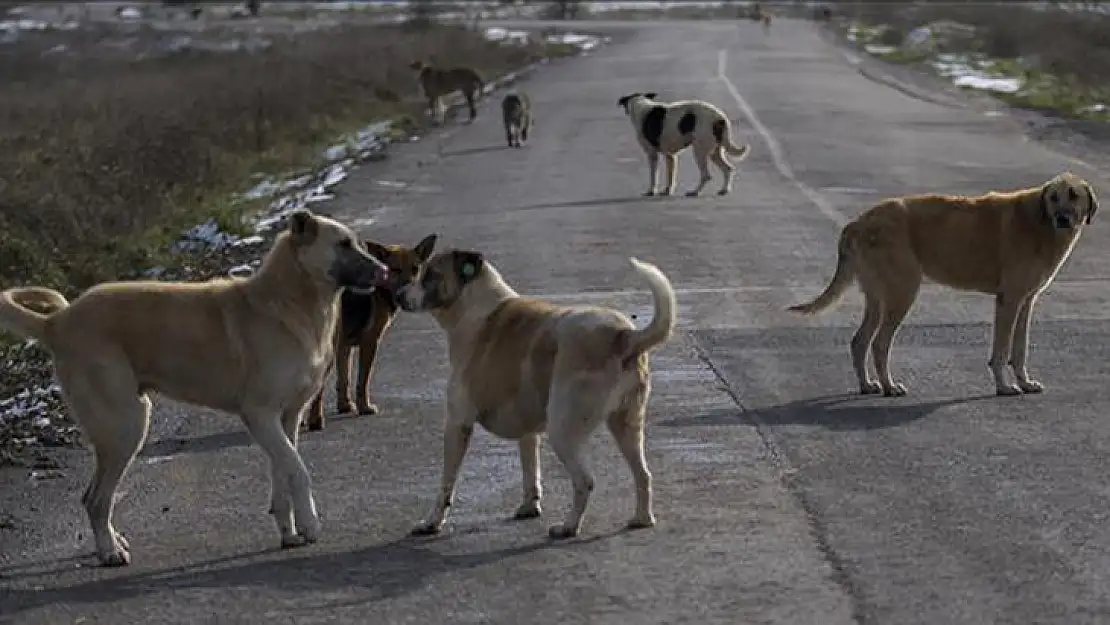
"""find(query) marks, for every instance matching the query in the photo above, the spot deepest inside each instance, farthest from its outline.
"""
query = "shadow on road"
(202, 444)
(386, 571)
(478, 150)
(835, 412)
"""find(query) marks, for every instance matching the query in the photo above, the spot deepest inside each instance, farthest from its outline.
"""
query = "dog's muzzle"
(400, 297)
(1062, 222)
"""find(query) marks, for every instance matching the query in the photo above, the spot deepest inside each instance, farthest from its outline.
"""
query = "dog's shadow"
(377, 573)
(844, 412)
(478, 150)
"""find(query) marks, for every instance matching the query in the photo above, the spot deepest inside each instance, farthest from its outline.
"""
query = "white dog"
(669, 128)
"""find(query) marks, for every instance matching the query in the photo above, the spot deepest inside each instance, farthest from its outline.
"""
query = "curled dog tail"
(663, 320)
(16, 317)
(843, 278)
(722, 133)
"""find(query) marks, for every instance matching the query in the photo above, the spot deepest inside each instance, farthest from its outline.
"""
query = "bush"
(106, 160)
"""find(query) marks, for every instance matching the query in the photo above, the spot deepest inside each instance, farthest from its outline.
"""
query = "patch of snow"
(1096, 108)
(130, 13)
(879, 50)
(964, 75)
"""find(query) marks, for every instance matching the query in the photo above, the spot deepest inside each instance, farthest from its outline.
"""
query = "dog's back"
(516, 115)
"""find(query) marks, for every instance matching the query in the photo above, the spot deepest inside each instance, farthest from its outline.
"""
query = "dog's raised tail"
(723, 134)
(18, 318)
(843, 278)
(666, 310)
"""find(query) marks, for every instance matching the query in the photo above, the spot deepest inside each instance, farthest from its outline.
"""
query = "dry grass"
(106, 159)
(1069, 49)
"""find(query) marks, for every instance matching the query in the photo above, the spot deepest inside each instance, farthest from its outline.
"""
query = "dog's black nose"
(1062, 222)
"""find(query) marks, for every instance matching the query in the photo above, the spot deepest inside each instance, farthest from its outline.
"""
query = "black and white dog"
(669, 128)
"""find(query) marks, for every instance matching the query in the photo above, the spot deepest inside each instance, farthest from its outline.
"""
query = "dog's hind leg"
(572, 416)
(343, 378)
(627, 428)
(1020, 351)
(529, 446)
(289, 479)
(701, 157)
(367, 352)
(469, 95)
(728, 170)
(672, 173)
(115, 420)
(1006, 311)
(900, 295)
(861, 344)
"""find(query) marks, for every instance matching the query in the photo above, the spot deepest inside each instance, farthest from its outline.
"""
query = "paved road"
(781, 499)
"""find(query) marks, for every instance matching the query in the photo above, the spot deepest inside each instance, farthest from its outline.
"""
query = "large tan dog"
(437, 83)
(522, 366)
(1007, 244)
(257, 346)
(669, 128)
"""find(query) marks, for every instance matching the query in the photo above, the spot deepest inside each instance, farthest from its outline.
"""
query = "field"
(128, 143)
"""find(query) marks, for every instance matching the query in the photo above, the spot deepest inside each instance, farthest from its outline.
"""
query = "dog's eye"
(1054, 196)
(346, 243)
(1072, 195)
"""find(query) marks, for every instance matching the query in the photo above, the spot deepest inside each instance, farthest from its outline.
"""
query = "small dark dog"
(516, 115)
(363, 320)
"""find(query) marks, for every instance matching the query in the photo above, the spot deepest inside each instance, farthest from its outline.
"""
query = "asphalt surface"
(781, 498)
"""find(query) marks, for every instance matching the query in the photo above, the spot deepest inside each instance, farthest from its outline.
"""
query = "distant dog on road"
(363, 320)
(516, 115)
(1006, 244)
(761, 14)
(258, 347)
(669, 128)
(522, 366)
(437, 83)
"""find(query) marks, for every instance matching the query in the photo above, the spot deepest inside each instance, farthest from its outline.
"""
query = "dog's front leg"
(456, 440)
(287, 473)
(1020, 351)
(653, 171)
(367, 352)
(530, 467)
(1006, 308)
(672, 173)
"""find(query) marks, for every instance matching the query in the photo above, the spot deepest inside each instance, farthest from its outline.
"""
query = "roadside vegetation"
(1053, 58)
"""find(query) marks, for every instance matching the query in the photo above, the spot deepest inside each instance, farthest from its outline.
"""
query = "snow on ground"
(964, 73)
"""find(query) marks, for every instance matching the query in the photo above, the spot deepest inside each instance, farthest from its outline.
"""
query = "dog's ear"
(468, 265)
(1092, 202)
(651, 95)
(303, 226)
(623, 102)
(425, 247)
(375, 249)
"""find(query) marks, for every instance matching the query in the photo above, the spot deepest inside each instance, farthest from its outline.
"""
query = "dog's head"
(403, 263)
(442, 281)
(330, 252)
(626, 101)
(1067, 201)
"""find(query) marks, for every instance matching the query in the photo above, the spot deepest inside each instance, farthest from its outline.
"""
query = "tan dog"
(1010, 245)
(668, 129)
(761, 14)
(363, 320)
(522, 366)
(258, 347)
(437, 83)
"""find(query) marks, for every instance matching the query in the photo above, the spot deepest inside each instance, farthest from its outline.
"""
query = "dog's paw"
(426, 528)
(897, 389)
(870, 387)
(1008, 390)
(344, 406)
(649, 193)
(1030, 386)
(315, 424)
(368, 409)
(121, 541)
(640, 524)
(116, 557)
(528, 510)
(692, 194)
(561, 532)
(292, 541)
(723, 192)
(667, 192)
